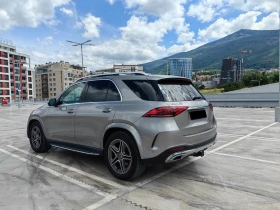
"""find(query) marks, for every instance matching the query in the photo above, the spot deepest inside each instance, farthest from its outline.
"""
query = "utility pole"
(167, 66)
(81, 44)
(241, 62)
(277, 109)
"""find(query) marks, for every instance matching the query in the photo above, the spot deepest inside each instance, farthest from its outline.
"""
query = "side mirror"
(52, 102)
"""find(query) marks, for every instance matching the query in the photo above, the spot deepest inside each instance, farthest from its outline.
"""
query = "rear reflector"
(177, 148)
(166, 111)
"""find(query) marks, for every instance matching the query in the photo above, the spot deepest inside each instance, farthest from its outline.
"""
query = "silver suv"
(133, 120)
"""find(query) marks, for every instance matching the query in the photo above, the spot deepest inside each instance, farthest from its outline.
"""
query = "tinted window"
(97, 91)
(179, 92)
(72, 94)
(113, 93)
(145, 89)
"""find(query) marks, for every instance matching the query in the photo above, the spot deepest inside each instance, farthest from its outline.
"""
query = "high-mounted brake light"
(166, 111)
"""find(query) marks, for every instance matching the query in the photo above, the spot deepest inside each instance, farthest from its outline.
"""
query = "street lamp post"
(81, 44)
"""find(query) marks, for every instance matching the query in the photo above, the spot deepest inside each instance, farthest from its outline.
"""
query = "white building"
(120, 68)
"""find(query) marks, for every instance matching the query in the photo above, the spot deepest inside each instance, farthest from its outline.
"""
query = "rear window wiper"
(196, 97)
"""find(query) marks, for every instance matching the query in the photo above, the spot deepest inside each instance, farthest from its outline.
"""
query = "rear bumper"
(169, 156)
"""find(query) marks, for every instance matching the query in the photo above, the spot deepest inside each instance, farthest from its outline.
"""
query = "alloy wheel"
(119, 156)
(36, 137)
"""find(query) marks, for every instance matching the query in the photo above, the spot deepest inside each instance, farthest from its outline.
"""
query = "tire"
(114, 156)
(37, 138)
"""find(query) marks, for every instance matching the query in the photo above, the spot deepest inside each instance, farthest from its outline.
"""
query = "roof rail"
(114, 74)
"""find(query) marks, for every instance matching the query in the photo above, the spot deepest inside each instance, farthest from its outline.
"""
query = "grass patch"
(212, 91)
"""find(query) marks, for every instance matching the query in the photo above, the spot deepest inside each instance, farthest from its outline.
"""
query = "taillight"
(166, 111)
(211, 106)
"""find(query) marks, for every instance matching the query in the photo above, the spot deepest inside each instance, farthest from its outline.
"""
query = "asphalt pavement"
(241, 171)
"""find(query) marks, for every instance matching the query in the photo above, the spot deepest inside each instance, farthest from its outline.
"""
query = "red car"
(5, 102)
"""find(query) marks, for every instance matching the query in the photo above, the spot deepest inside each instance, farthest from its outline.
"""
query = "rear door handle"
(70, 111)
(107, 110)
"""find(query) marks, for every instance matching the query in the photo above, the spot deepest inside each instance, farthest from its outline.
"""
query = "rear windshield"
(171, 91)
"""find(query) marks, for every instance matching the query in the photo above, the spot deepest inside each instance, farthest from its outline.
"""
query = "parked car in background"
(133, 120)
(5, 102)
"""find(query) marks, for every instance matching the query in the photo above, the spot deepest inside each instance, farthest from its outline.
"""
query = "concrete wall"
(244, 99)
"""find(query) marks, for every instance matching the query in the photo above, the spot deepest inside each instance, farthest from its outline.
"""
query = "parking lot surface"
(241, 171)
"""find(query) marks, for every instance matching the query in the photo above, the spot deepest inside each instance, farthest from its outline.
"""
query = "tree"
(273, 77)
(231, 86)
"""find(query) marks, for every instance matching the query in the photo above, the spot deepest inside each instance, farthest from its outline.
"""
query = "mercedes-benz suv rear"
(133, 120)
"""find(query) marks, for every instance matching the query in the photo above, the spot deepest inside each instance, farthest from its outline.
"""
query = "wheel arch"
(30, 122)
(114, 127)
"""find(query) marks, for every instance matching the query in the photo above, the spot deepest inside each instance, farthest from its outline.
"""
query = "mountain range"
(263, 43)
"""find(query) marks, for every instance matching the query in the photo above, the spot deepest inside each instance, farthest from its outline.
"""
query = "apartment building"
(120, 68)
(15, 74)
(54, 77)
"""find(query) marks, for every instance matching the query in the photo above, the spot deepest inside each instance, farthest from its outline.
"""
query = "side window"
(72, 94)
(147, 90)
(97, 91)
(113, 93)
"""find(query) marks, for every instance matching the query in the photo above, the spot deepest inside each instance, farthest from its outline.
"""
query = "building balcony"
(23, 81)
(24, 88)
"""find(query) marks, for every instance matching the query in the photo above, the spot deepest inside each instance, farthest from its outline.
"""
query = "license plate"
(198, 114)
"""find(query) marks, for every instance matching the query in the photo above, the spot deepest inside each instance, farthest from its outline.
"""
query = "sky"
(126, 31)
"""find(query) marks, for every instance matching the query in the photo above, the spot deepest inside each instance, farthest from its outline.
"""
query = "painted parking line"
(65, 177)
(94, 177)
(155, 177)
(259, 138)
(241, 119)
(246, 158)
(241, 138)
(99, 203)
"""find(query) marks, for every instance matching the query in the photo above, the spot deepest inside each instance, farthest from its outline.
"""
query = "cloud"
(185, 37)
(47, 40)
(67, 11)
(223, 27)
(29, 13)
(143, 37)
(256, 5)
(185, 47)
(91, 25)
(205, 10)
(270, 22)
(111, 1)
(157, 8)
(141, 40)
